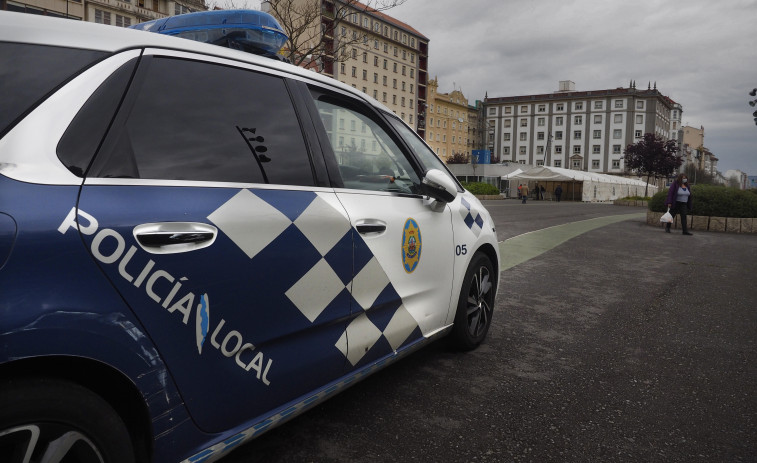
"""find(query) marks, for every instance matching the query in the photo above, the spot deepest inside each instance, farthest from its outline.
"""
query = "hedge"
(480, 188)
(714, 201)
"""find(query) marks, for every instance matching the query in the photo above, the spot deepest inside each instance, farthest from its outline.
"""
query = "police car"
(198, 243)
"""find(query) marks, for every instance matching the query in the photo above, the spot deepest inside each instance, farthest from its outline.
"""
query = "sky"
(701, 53)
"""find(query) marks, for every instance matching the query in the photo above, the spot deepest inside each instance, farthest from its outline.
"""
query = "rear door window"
(199, 121)
(28, 73)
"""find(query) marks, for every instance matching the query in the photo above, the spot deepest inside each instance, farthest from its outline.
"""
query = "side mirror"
(439, 186)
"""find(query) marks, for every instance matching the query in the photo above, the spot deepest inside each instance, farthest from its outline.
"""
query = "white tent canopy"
(590, 185)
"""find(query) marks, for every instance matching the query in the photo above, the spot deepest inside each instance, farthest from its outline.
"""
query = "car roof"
(41, 30)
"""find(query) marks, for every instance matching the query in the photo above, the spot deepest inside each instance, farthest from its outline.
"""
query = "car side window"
(366, 153)
(421, 150)
(197, 121)
(21, 70)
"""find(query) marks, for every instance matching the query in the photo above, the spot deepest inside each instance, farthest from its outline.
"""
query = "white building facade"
(586, 131)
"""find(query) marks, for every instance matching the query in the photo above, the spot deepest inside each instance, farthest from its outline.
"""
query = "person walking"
(679, 201)
(558, 192)
(524, 193)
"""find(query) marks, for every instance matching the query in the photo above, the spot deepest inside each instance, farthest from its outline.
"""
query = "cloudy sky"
(701, 53)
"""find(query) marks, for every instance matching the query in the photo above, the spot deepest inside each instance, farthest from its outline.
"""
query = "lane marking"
(522, 248)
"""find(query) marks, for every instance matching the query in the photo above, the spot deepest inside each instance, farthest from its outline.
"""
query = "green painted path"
(525, 247)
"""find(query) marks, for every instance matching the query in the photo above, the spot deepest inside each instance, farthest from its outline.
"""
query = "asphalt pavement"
(611, 341)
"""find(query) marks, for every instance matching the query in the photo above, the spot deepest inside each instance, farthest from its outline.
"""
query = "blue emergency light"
(248, 30)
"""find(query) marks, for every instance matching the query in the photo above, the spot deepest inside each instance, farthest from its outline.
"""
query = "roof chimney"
(567, 86)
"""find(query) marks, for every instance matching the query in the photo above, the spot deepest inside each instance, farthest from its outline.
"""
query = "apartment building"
(448, 121)
(122, 13)
(695, 153)
(586, 130)
(386, 58)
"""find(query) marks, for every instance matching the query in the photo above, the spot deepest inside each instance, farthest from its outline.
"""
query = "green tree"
(652, 155)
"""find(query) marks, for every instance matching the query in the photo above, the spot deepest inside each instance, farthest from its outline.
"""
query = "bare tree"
(317, 28)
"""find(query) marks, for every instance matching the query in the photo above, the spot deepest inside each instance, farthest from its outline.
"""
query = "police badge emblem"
(411, 245)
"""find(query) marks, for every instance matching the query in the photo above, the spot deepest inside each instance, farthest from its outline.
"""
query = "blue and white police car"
(198, 243)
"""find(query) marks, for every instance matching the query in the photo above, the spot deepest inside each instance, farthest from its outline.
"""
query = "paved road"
(623, 343)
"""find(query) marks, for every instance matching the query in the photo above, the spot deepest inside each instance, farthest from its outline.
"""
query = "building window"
(558, 120)
(540, 122)
(540, 135)
(386, 64)
(639, 119)
(597, 134)
(102, 17)
(576, 149)
(579, 106)
(365, 74)
(640, 105)
(507, 123)
(595, 164)
(578, 120)
(524, 109)
(617, 134)
(598, 119)
(375, 94)
(637, 134)
(375, 77)
(524, 122)
(576, 134)
(540, 162)
(354, 71)
(394, 83)
(618, 103)
(542, 108)
(557, 163)
(576, 163)
(595, 149)
(522, 150)
(615, 149)
(492, 111)
(506, 150)
(558, 150)
(539, 150)
(597, 105)
(383, 80)
(560, 107)
(506, 137)
(558, 135)
(508, 110)
(523, 136)
(618, 119)
(616, 164)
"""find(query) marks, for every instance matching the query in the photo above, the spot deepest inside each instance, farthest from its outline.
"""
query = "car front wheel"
(53, 421)
(475, 305)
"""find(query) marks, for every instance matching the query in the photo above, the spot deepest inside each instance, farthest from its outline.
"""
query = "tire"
(475, 305)
(54, 421)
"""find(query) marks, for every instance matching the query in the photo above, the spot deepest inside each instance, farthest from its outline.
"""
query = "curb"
(707, 223)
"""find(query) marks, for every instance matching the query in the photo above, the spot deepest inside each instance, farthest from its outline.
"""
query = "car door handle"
(174, 237)
(370, 226)
(169, 238)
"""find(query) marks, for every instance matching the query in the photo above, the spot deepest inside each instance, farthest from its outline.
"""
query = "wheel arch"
(489, 251)
(107, 382)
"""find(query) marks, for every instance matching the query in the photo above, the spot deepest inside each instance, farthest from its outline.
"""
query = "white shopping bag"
(666, 217)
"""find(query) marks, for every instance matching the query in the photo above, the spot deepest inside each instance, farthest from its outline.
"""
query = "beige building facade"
(121, 13)
(385, 59)
(448, 122)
